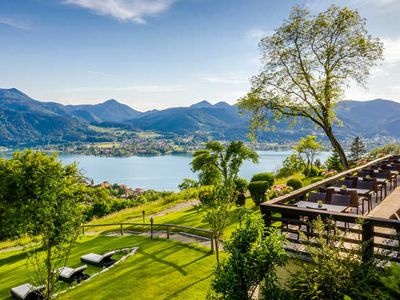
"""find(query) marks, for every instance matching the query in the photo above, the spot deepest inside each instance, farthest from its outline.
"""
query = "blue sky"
(161, 53)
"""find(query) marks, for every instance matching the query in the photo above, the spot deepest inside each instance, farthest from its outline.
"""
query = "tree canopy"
(307, 64)
(307, 148)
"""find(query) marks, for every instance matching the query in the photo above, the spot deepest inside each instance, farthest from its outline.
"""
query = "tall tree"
(223, 163)
(357, 149)
(307, 64)
(307, 148)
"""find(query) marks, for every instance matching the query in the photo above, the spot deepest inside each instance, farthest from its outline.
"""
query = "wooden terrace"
(363, 202)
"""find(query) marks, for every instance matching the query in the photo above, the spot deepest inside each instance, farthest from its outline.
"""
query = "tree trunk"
(336, 145)
(216, 242)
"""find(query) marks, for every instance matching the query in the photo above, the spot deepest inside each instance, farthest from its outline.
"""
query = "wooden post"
(266, 215)
(83, 229)
(367, 240)
(144, 217)
(167, 231)
(151, 227)
(122, 230)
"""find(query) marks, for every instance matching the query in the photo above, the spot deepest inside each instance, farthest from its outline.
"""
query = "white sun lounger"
(68, 274)
(99, 260)
(27, 291)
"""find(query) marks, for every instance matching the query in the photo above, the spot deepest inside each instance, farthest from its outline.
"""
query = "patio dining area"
(363, 203)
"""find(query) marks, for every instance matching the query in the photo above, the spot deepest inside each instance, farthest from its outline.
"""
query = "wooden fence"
(152, 227)
(377, 235)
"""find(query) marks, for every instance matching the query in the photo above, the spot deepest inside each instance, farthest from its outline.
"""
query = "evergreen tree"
(334, 162)
(357, 149)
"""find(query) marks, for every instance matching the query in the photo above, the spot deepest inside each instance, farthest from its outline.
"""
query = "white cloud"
(125, 10)
(14, 23)
(228, 78)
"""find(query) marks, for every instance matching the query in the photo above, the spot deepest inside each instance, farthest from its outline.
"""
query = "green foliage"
(279, 190)
(391, 280)
(290, 166)
(385, 150)
(294, 183)
(307, 64)
(216, 204)
(357, 150)
(188, 183)
(252, 259)
(258, 190)
(240, 199)
(334, 162)
(45, 198)
(333, 274)
(241, 185)
(217, 163)
(268, 177)
(312, 172)
(307, 148)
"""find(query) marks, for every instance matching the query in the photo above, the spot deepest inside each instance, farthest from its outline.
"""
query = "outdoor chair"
(340, 199)
(364, 173)
(353, 178)
(389, 178)
(99, 260)
(70, 275)
(317, 196)
(370, 184)
(347, 183)
(355, 200)
(27, 292)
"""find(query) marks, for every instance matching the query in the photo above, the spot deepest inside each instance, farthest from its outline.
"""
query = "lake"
(160, 172)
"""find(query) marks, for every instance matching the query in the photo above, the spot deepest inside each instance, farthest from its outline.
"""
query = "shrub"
(269, 177)
(240, 199)
(279, 190)
(290, 166)
(241, 185)
(252, 258)
(294, 183)
(188, 183)
(311, 172)
(258, 190)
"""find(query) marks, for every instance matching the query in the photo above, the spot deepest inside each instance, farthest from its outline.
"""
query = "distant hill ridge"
(26, 120)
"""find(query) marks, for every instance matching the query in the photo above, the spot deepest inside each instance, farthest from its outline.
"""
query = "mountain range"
(27, 121)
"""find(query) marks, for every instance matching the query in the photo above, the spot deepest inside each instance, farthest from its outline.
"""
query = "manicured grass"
(161, 269)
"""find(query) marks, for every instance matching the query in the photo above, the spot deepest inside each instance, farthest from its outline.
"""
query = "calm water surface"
(160, 172)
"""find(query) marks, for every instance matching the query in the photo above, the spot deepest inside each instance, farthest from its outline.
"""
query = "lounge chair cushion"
(24, 291)
(68, 274)
(97, 259)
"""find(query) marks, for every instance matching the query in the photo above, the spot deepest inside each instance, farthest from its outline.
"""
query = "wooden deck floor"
(388, 207)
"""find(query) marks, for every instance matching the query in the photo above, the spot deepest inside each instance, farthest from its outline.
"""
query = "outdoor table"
(325, 207)
(360, 192)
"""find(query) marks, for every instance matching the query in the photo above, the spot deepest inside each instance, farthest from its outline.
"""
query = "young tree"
(334, 163)
(50, 196)
(253, 257)
(307, 148)
(307, 64)
(357, 149)
(222, 162)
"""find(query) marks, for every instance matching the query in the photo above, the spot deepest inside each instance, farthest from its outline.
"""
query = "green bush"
(312, 172)
(240, 199)
(269, 177)
(258, 190)
(241, 185)
(294, 183)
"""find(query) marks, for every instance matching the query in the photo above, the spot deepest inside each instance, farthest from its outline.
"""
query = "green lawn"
(161, 269)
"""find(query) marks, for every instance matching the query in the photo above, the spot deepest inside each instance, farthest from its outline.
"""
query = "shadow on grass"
(177, 292)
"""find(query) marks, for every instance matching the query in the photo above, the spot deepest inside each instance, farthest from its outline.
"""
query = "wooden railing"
(377, 235)
(151, 228)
